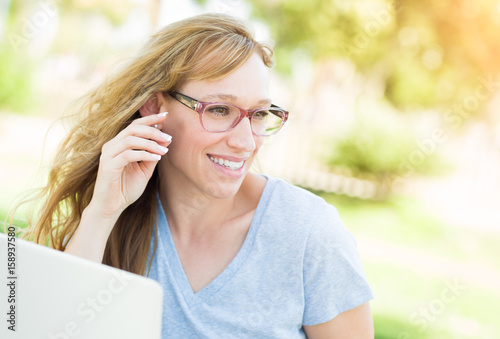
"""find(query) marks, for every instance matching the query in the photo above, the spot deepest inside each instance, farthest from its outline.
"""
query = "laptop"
(48, 294)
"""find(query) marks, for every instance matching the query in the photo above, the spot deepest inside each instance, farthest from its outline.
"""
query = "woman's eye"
(220, 110)
(260, 114)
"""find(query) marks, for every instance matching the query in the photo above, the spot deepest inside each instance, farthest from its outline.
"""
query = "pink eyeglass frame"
(199, 107)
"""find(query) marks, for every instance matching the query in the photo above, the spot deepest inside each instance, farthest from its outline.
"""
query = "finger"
(147, 166)
(141, 131)
(129, 156)
(151, 119)
(132, 142)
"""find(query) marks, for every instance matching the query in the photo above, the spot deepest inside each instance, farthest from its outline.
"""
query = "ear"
(154, 105)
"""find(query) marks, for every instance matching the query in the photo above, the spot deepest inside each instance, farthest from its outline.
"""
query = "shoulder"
(301, 210)
(294, 199)
(293, 207)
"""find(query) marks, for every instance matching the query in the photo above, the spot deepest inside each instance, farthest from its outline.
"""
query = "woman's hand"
(127, 163)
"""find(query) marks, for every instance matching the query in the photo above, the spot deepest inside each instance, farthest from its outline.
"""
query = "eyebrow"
(232, 98)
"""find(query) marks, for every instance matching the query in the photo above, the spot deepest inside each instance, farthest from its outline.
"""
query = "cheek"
(258, 143)
(177, 129)
(183, 121)
(171, 125)
(188, 142)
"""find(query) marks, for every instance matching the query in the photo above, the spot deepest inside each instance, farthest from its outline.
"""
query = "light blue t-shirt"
(297, 266)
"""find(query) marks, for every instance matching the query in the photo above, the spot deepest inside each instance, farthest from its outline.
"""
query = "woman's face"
(191, 161)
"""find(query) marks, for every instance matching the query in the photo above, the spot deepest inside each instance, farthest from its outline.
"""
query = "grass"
(404, 293)
(405, 220)
(411, 305)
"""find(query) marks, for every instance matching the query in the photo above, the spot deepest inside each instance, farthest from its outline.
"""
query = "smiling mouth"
(226, 163)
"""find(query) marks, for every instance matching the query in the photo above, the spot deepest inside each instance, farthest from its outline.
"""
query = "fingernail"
(166, 137)
(155, 156)
(162, 149)
(162, 114)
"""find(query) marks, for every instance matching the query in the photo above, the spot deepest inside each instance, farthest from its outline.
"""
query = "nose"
(242, 137)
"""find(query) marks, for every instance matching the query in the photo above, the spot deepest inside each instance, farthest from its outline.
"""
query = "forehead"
(247, 85)
(224, 97)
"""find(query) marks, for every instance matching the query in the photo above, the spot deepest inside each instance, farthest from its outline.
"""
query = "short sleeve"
(334, 279)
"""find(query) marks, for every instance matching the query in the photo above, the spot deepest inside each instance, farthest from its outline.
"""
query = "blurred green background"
(394, 120)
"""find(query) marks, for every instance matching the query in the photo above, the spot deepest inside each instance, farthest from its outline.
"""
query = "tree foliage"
(427, 53)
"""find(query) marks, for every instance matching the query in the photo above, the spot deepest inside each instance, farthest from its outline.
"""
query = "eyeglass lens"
(219, 117)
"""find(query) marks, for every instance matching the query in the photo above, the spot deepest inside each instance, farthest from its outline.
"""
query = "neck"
(192, 213)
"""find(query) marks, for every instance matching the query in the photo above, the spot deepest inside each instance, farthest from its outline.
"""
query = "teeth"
(229, 164)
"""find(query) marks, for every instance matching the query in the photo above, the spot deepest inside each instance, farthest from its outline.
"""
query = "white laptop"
(48, 294)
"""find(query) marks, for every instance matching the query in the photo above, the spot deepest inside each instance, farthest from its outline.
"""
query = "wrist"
(94, 215)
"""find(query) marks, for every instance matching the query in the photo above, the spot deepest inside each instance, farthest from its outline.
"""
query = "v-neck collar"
(174, 262)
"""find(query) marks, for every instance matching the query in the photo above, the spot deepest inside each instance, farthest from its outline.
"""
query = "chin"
(223, 188)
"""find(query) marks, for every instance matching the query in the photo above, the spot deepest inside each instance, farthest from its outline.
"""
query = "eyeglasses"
(221, 117)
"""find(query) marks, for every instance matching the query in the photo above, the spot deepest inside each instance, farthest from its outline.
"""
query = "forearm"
(90, 238)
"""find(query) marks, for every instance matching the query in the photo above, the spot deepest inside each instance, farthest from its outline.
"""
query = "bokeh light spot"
(432, 59)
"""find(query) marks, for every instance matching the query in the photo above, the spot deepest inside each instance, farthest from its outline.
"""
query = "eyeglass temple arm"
(276, 106)
(185, 100)
(284, 110)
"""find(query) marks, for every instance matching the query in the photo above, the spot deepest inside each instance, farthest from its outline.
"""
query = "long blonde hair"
(207, 46)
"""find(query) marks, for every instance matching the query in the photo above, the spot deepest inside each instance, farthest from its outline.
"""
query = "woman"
(239, 255)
